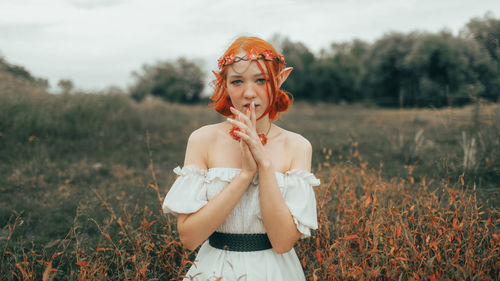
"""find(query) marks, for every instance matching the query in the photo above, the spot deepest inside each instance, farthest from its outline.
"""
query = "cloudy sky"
(98, 43)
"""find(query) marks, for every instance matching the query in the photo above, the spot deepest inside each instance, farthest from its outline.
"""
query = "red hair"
(279, 100)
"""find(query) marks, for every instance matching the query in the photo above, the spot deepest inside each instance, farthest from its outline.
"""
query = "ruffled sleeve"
(299, 197)
(188, 193)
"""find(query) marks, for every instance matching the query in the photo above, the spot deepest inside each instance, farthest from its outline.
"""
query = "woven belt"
(240, 242)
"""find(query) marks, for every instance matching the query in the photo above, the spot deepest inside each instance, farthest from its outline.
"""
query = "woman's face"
(246, 83)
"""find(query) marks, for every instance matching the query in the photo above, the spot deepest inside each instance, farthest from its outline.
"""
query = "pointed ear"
(217, 74)
(284, 75)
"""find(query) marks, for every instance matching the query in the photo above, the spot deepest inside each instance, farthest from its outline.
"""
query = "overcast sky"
(97, 43)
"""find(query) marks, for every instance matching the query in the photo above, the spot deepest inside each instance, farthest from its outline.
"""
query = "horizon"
(96, 45)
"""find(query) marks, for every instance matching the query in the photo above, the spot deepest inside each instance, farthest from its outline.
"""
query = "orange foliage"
(369, 229)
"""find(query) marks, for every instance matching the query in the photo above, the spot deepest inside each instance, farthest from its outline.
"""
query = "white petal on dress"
(195, 187)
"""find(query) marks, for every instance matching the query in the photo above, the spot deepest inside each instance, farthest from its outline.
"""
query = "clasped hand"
(253, 154)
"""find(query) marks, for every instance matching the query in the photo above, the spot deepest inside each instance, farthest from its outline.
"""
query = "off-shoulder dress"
(195, 187)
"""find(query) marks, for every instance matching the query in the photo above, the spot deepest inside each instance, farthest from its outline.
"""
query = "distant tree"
(486, 31)
(15, 70)
(337, 73)
(443, 68)
(425, 69)
(17, 78)
(386, 72)
(66, 86)
(300, 81)
(175, 81)
(113, 90)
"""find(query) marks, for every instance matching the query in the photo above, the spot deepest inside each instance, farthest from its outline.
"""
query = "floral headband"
(251, 56)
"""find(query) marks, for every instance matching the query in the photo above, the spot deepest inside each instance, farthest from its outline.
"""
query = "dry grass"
(81, 198)
(370, 228)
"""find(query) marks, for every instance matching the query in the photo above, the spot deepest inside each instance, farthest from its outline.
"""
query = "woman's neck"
(264, 125)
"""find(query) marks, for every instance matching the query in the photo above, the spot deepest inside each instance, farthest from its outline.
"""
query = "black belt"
(240, 242)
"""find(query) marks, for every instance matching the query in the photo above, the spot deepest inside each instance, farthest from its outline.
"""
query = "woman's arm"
(197, 227)
(278, 220)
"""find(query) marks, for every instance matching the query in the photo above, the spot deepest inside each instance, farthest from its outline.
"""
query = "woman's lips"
(248, 106)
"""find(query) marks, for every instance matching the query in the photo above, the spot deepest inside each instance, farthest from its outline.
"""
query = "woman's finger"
(246, 138)
(240, 114)
(243, 136)
(245, 147)
(246, 127)
(247, 153)
(252, 115)
(238, 124)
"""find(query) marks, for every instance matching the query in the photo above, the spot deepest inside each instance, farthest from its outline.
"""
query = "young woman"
(245, 192)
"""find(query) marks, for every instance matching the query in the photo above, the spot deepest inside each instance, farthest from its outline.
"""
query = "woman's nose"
(250, 92)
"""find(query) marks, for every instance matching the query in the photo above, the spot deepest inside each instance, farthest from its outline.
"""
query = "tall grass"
(370, 228)
(81, 198)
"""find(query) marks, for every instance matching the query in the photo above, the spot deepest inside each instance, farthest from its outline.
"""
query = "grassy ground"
(72, 165)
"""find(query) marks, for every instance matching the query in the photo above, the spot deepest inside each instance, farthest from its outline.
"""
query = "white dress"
(195, 187)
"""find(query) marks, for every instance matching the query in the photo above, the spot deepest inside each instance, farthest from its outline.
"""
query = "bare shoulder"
(301, 150)
(196, 151)
(203, 134)
(296, 142)
(299, 142)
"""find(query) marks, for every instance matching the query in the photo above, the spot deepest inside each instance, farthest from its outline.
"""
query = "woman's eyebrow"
(240, 76)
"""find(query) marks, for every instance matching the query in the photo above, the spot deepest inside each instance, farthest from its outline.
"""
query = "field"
(410, 194)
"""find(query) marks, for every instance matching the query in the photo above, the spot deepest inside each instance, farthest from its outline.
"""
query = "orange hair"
(279, 99)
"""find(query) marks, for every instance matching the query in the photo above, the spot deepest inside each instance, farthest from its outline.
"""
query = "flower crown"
(251, 56)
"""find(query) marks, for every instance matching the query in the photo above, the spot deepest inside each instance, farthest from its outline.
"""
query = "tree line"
(416, 69)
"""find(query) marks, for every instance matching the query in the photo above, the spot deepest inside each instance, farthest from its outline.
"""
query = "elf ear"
(284, 75)
(217, 74)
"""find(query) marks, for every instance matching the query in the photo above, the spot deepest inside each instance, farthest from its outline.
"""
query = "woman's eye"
(261, 80)
(236, 82)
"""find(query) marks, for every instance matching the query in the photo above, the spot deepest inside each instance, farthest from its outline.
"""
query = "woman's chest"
(228, 154)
